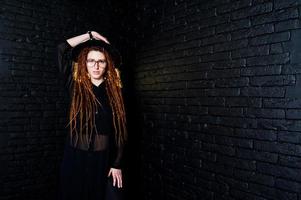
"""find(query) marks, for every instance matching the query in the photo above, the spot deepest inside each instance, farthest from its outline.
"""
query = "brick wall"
(219, 89)
(33, 105)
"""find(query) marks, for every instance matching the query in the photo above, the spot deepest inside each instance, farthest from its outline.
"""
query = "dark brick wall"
(33, 105)
(219, 87)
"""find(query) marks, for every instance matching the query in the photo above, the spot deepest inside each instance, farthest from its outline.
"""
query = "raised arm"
(64, 58)
(84, 37)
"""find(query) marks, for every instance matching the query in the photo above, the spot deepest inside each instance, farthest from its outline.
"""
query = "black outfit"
(84, 168)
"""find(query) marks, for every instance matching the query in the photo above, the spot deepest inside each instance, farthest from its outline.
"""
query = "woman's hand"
(97, 36)
(117, 177)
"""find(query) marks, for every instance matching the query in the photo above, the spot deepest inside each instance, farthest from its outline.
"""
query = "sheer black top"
(103, 138)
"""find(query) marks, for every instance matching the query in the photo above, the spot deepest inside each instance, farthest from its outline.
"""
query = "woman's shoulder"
(64, 46)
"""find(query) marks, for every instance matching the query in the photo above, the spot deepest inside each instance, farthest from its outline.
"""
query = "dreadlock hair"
(84, 103)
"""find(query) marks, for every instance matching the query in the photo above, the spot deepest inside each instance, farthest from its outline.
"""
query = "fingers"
(120, 181)
(114, 180)
(110, 172)
(117, 177)
(105, 40)
(100, 37)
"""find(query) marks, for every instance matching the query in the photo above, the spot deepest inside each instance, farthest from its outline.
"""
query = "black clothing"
(84, 167)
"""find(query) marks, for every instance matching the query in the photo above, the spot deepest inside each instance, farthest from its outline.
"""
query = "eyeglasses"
(92, 62)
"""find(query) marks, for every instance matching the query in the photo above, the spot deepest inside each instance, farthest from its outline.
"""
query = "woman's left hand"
(98, 36)
(117, 177)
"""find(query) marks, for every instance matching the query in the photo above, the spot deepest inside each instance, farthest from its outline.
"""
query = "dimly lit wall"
(219, 86)
(33, 107)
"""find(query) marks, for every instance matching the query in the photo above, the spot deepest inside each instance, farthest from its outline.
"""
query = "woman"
(91, 166)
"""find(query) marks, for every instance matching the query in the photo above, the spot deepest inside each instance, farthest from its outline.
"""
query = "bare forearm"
(78, 39)
(84, 37)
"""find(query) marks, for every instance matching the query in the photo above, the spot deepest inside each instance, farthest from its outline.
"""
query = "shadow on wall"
(33, 108)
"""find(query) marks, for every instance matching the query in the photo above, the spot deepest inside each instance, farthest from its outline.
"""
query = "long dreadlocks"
(84, 103)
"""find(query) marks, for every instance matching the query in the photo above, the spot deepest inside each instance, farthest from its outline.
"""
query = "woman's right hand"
(97, 36)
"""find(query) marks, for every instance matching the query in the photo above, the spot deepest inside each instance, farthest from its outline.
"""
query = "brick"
(276, 49)
(264, 113)
(237, 122)
(238, 194)
(270, 38)
(232, 182)
(218, 92)
(275, 16)
(215, 3)
(284, 148)
(287, 25)
(267, 135)
(195, 11)
(243, 102)
(282, 103)
(255, 10)
(253, 31)
(233, 6)
(236, 163)
(219, 111)
(280, 171)
(238, 142)
(254, 177)
(223, 73)
(251, 51)
(200, 84)
(270, 192)
(263, 91)
(221, 149)
(292, 125)
(214, 21)
(289, 137)
(215, 39)
(220, 169)
(258, 155)
(273, 80)
(218, 130)
(233, 25)
(206, 101)
(287, 185)
(293, 114)
(197, 34)
(289, 161)
(221, 56)
(230, 45)
(284, 4)
(235, 63)
(269, 60)
(233, 82)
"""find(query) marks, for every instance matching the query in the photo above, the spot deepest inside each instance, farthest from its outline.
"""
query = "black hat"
(116, 57)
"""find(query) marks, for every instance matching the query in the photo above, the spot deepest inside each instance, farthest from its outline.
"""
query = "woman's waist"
(81, 149)
(95, 142)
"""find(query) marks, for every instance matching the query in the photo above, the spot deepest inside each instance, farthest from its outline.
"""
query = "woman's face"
(96, 64)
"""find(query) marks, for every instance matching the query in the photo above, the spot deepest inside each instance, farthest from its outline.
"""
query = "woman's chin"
(96, 76)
